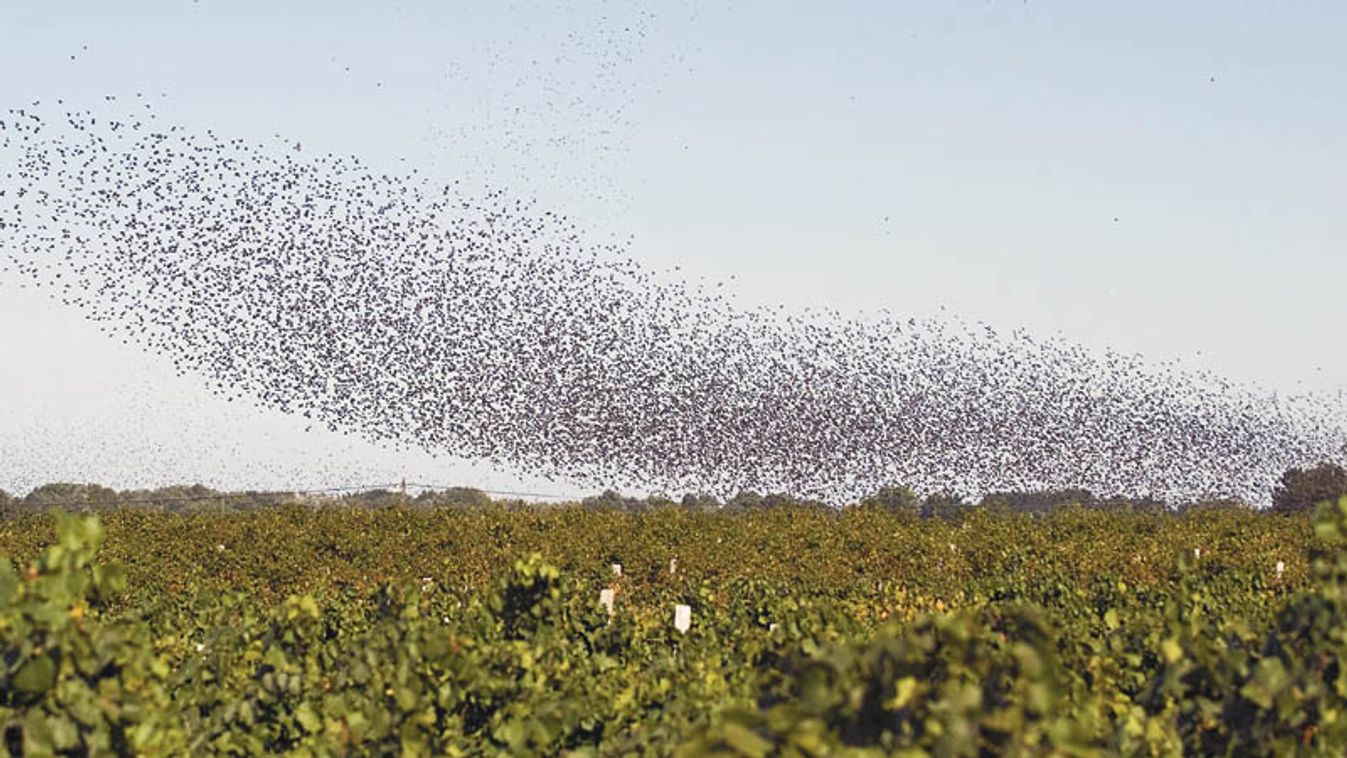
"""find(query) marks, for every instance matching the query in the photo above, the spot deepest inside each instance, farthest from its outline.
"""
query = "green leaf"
(745, 741)
(511, 733)
(1269, 679)
(37, 675)
(1172, 650)
(65, 734)
(110, 578)
(903, 692)
(307, 718)
(9, 583)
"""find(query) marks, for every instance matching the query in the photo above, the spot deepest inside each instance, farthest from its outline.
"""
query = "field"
(439, 630)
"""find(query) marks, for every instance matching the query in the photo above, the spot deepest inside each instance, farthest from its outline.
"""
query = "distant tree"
(454, 497)
(252, 500)
(894, 500)
(946, 505)
(71, 497)
(659, 501)
(779, 500)
(635, 505)
(1302, 489)
(6, 504)
(610, 499)
(747, 500)
(175, 498)
(700, 502)
(1133, 504)
(377, 498)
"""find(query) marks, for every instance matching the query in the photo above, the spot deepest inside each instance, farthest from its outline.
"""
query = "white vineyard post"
(607, 597)
(1281, 569)
(682, 618)
(617, 569)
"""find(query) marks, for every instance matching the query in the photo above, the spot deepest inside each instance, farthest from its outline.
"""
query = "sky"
(1166, 179)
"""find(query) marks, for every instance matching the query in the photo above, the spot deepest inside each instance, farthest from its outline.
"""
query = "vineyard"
(491, 630)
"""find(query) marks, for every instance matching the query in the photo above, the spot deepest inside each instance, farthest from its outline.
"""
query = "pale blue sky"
(857, 155)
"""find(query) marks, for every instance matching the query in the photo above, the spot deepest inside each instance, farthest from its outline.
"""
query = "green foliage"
(72, 682)
(1215, 504)
(420, 631)
(971, 683)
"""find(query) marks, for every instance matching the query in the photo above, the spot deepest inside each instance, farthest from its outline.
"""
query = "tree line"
(1298, 490)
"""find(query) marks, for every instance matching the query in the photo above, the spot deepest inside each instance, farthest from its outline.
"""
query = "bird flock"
(477, 325)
